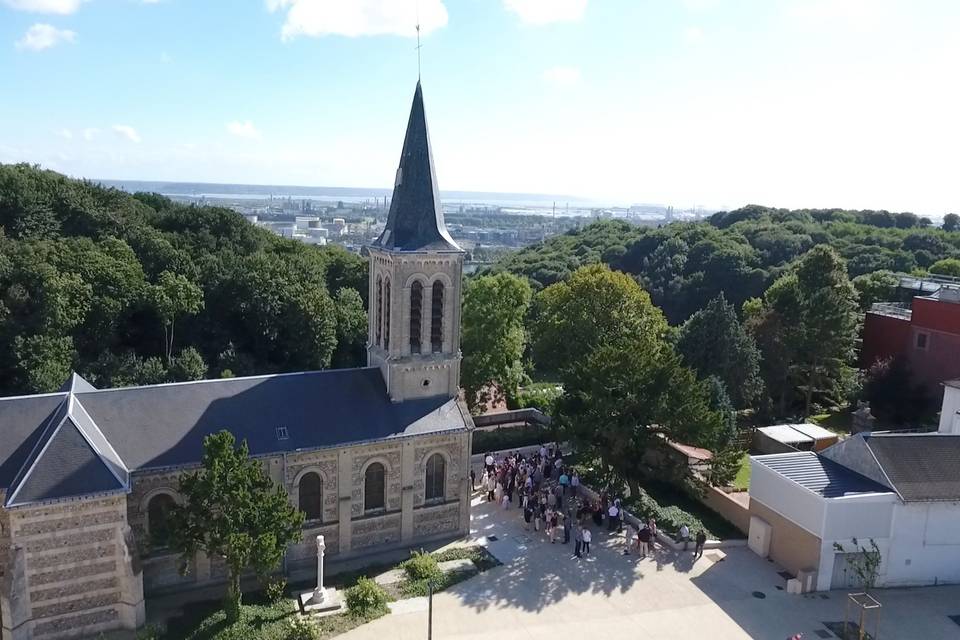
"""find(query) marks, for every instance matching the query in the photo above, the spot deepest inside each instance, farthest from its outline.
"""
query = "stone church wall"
(74, 570)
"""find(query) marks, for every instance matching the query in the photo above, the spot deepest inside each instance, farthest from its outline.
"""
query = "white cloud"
(562, 76)
(90, 133)
(126, 131)
(243, 129)
(358, 17)
(62, 7)
(547, 11)
(43, 36)
(65, 133)
(692, 35)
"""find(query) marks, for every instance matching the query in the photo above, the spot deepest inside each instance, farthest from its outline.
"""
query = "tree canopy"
(233, 510)
(493, 337)
(714, 343)
(97, 280)
(623, 384)
(740, 253)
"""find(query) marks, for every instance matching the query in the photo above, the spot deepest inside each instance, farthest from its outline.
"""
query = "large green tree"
(714, 343)
(816, 311)
(493, 337)
(172, 297)
(623, 384)
(233, 510)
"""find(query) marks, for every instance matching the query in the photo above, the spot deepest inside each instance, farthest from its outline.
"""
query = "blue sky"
(849, 103)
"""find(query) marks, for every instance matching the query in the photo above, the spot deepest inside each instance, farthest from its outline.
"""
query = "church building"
(376, 457)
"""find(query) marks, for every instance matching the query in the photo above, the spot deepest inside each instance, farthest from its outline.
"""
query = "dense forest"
(740, 253)
(136, 289)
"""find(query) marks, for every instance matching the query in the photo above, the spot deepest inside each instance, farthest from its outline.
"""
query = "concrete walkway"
(542, 592)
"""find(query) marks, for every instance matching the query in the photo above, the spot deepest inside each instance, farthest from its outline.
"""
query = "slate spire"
(415, 221)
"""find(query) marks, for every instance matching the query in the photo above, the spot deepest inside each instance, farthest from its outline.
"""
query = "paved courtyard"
(541, 591)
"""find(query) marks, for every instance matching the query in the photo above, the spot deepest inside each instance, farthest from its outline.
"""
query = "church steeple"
(415, 221)
(416, 273)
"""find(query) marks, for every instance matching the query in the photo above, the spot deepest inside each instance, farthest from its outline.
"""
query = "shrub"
(422, 566)
(275, 590)
(366, 598)
(150, 632)
(302, 629)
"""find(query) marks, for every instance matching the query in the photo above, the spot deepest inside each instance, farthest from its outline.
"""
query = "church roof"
(164, 425)
(415, 221)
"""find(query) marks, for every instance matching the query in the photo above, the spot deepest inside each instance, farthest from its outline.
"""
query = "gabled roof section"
(76, 384)
(415, 221)
(71, 458)
(922, 467)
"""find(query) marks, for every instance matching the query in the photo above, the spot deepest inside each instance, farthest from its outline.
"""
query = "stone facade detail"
(67, 571)
(376, 531)
(429, 522)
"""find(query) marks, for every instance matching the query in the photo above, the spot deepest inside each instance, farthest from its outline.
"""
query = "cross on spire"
(419, 46)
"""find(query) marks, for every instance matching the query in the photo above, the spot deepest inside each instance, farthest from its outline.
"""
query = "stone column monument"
(319, 595)
(320, 601)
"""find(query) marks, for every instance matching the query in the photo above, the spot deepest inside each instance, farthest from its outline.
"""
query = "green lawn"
(742, 481)
(837, 421)
(259, 620)
(263, 620)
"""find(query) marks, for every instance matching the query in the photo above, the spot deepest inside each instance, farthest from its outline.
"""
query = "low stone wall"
(733, 511)
(662, 537)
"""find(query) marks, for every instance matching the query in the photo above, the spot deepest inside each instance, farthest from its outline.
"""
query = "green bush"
(422, 566)
(302, 629)
(275, 590)
(150, 632)
(366, 598)
(541, 395)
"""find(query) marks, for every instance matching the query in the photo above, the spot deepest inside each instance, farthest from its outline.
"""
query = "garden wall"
(734, 510)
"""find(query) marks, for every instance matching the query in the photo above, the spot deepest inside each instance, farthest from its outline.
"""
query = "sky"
(718, 103)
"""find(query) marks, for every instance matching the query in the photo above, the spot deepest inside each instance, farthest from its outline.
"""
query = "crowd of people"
(547, 493)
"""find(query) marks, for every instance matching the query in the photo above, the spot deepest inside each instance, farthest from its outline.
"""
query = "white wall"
(863, 517)
(926, 547)
(949, 421)
(800, 505)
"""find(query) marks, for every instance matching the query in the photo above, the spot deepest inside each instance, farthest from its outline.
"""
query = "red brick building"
(926, 333)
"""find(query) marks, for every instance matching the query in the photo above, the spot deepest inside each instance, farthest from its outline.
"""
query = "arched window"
(311, 496)
(416, 305)
(158, 523)
(379, 309)
(374, 487)
(436, 477)
(436, 318)
(386, 314)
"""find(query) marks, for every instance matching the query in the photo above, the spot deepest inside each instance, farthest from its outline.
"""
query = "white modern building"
(901, 490)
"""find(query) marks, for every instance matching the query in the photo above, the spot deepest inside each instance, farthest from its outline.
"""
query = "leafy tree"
(594, 307)
(714, 343)
(233, 510)
(946, 267)
(951, 222)
(622, 382)
(351, 328)
(188, 365)
(172, 297)
(879, 286)
(493, 337)
(44, 361)
(817, 305)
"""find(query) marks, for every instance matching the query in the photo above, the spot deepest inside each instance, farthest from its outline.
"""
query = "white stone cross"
(319, 595)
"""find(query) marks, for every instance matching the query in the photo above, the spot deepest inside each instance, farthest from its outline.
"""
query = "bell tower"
(415, 280)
